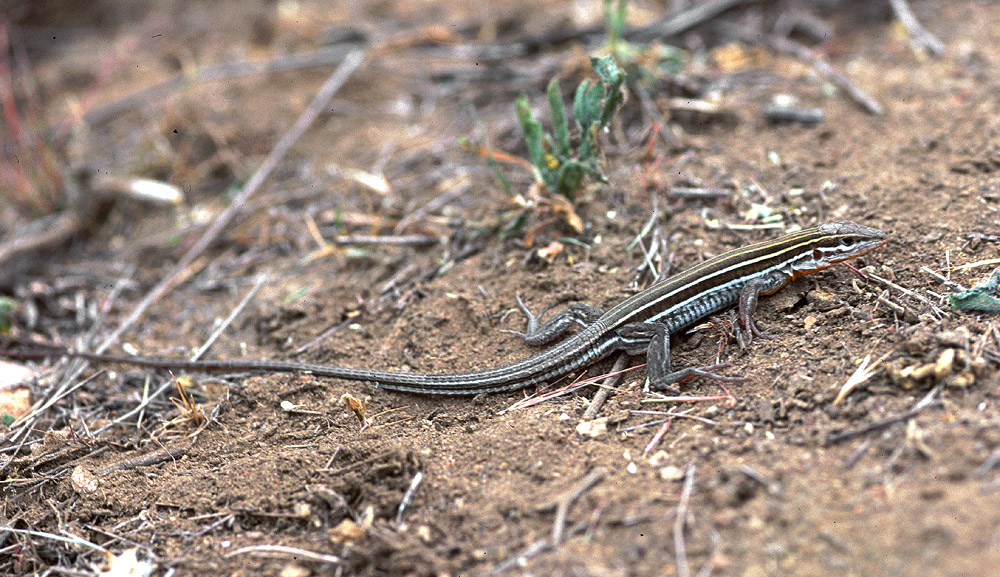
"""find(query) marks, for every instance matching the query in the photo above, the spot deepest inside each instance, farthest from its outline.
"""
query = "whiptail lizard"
(642, 322)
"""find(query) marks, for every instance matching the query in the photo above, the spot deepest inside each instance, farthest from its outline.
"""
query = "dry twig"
(408, 496)
(792, 48)
(533, 550)
(564, 502)
(700, 193)
(318, 104)
(678, 23)
(954, 286)
(934, 308)
(401, 240)
(259, 282)
(604, 391)
(921, 36)
(215, 72)
(285, 552)
(680, 547)
(927, 401)
(144, 461)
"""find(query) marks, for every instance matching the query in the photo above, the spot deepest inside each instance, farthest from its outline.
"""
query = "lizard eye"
(847, 242)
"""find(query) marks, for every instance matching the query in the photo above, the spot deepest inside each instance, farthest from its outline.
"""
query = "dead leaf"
(12, 374)
(127, 564)
(549, 253)
(15, 401)
(593, 429)
(564, 208)
(349, 531)
(357, 406)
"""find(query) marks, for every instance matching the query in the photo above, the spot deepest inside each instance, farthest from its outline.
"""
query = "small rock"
(293, 570)
(961, 381)
(942, 368)
(424, 534)
(593, 429)
(658, 458)
(83, 481)
(671, 473)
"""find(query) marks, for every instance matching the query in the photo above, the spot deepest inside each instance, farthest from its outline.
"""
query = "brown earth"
(773, 493)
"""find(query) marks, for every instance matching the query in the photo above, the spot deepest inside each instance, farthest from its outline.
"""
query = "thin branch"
(605, 389)
(318, 104)
(954, 286)
(674, 24)
(64, 391)
(934, 308)
(533, 550)
(927, 401)
(73, 540)
(227, 70)
(261, 279)
(283, 551)
(408, 496)
(402, 239)
(144, 461)
(564, 502)
(802, 52)
(433, 206)
(921, 36)
(700, 193)
(167, 383)
(680, 547)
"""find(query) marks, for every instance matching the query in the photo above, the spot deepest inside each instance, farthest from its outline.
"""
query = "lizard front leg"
(655, 340)
(748, 303)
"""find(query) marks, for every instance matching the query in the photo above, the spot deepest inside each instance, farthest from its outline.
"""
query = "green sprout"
(559, 165)
(6, 312)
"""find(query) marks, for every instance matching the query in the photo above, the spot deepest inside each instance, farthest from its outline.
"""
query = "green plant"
(614, 21)
(559, 165)
(645, 63)
(6, 312)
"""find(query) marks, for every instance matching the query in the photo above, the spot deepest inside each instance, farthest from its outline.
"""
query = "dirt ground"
(894, 479)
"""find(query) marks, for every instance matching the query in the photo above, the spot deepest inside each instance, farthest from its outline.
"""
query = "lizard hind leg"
(538, 333)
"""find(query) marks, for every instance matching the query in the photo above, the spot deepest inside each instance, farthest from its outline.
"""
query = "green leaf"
(515, 226)
(560, 127)
(573, 241)
(579, 102)
(614, 18)
(670, 60)
(557, 165)
(338, 219)
(504, 183)
(295, 295)
(979, 297)
(532, 132)
(570, 177)
(6, 312)
(612, 95)
(608, 70)
(589, 110)
(588, 143)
